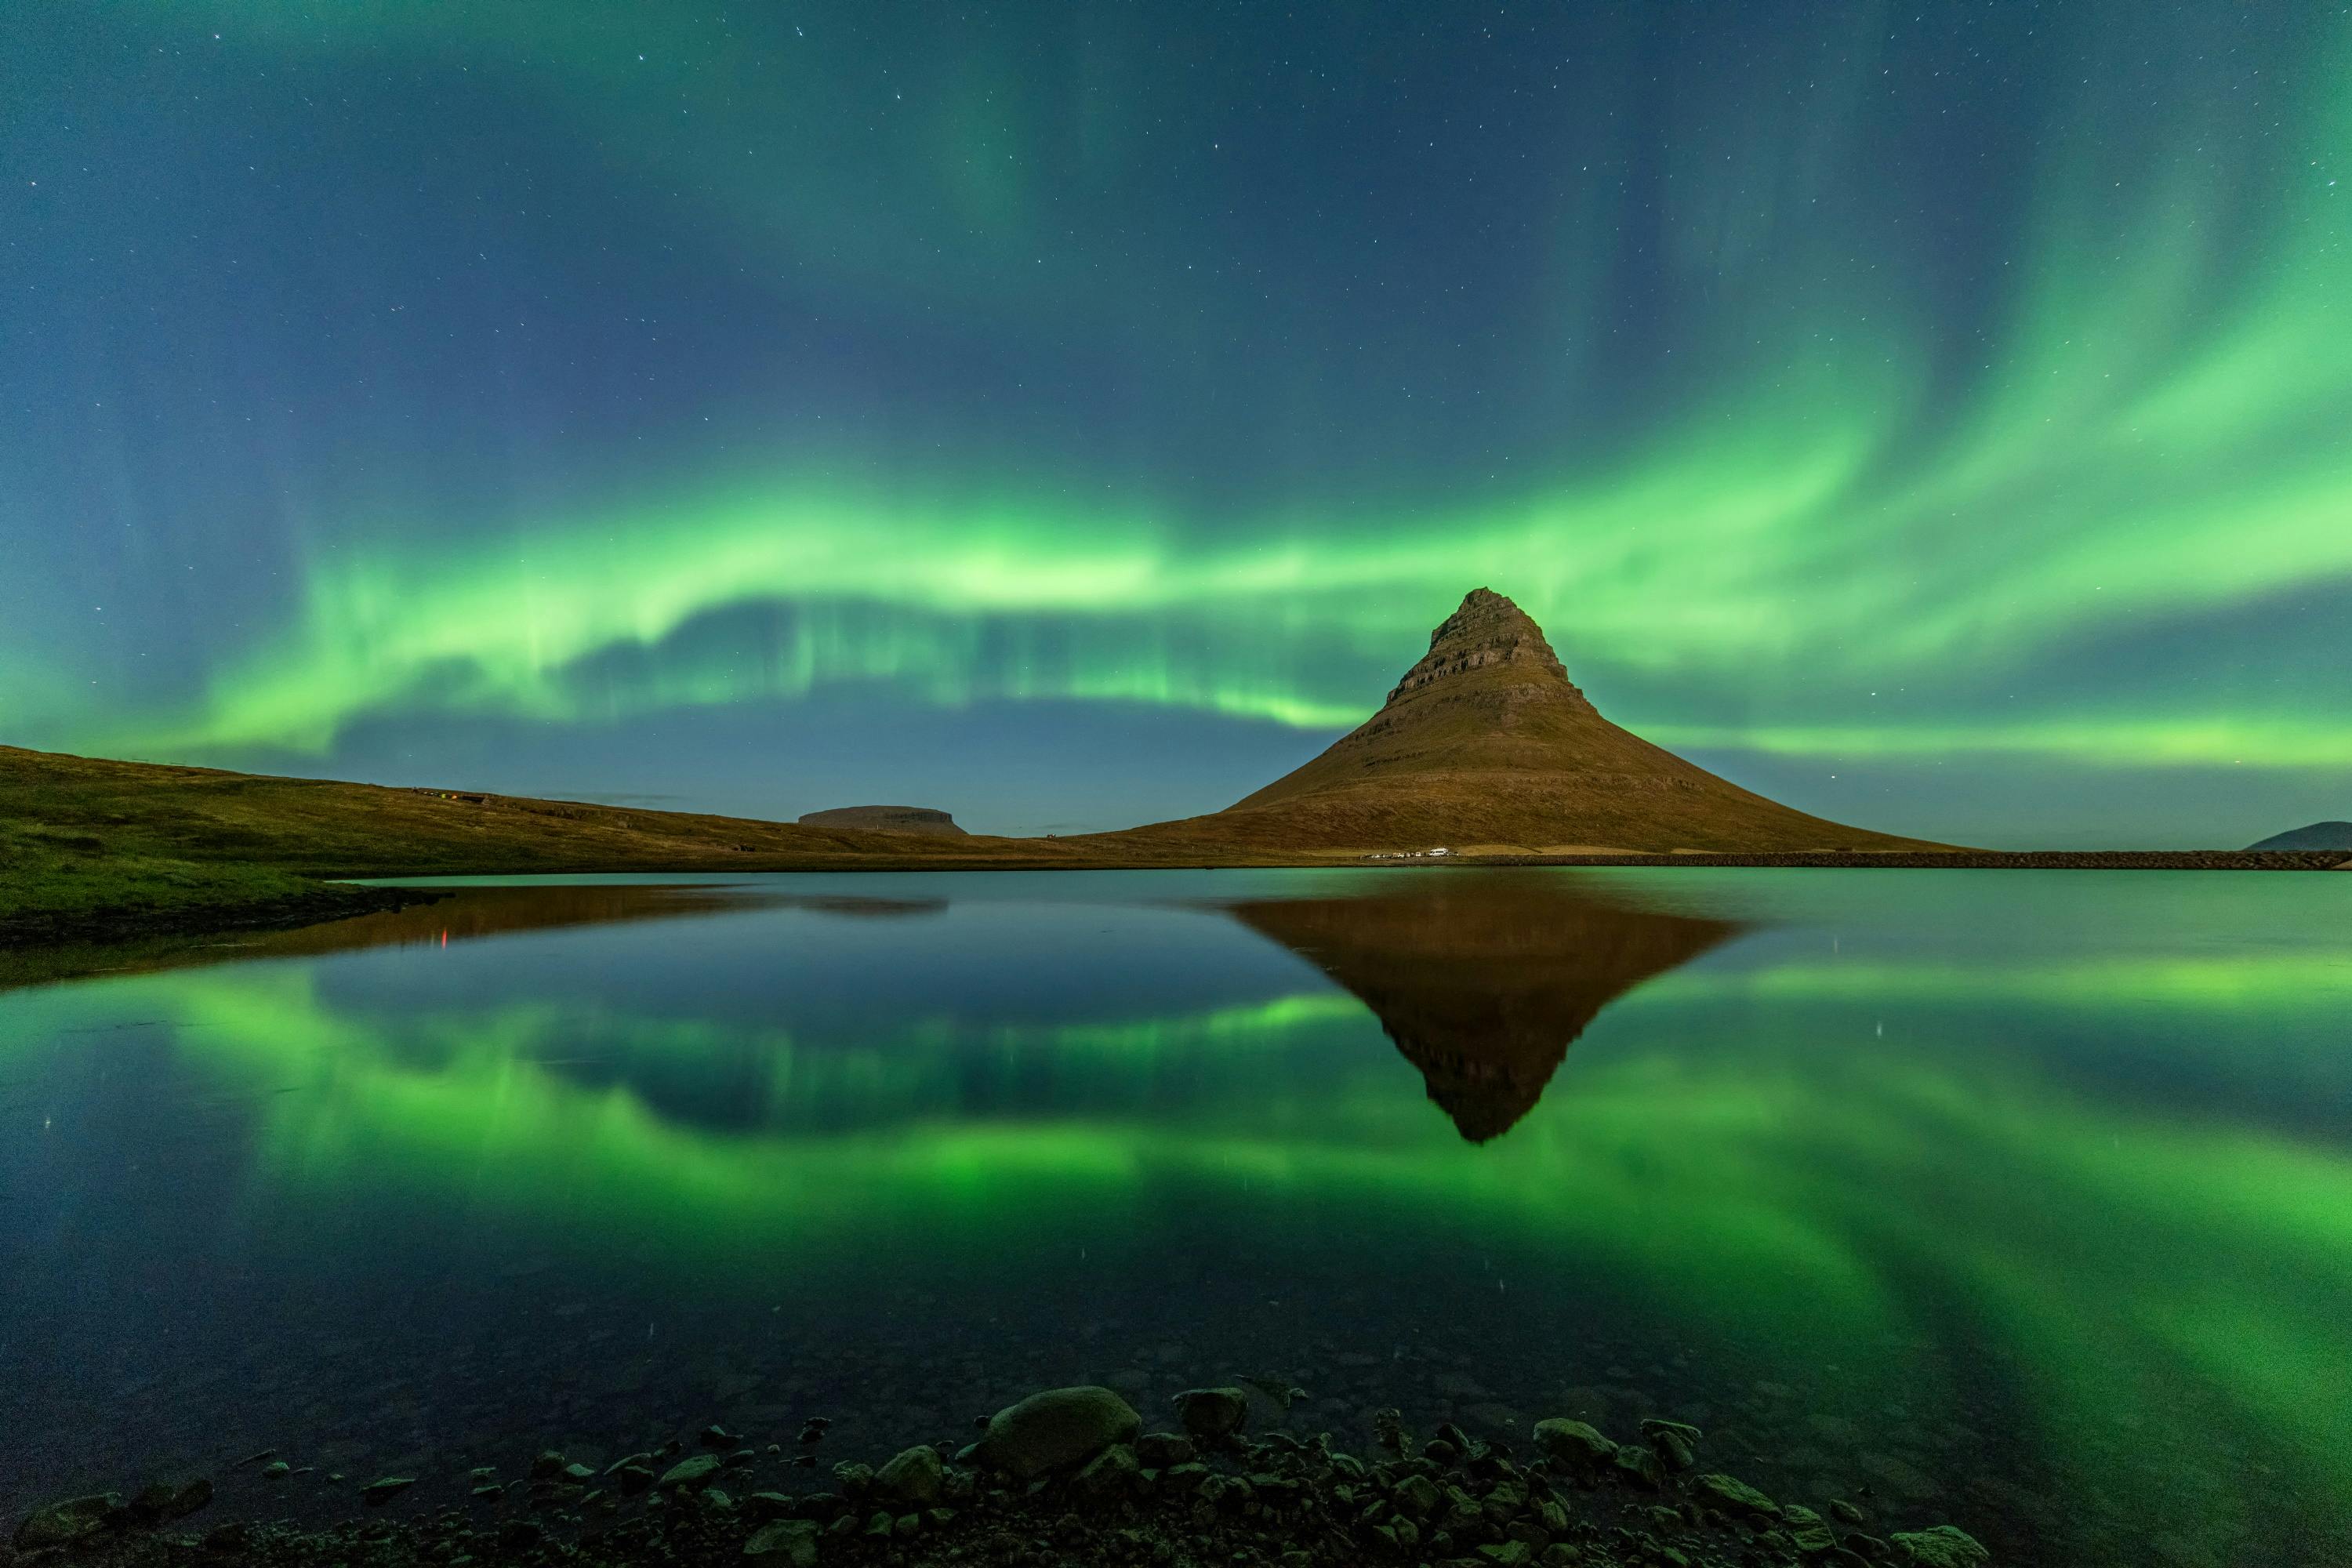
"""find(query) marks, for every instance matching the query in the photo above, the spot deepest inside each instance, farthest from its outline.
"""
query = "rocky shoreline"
(1065, 1476)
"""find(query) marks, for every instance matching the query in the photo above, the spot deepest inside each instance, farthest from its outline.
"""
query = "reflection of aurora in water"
(2082, 1161)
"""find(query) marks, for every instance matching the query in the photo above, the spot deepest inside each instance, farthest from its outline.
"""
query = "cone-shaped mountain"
(1485, 743)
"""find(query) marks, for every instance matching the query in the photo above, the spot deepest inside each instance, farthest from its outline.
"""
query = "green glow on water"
(2084, 1153)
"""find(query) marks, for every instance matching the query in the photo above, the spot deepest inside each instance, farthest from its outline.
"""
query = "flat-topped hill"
(887, 819)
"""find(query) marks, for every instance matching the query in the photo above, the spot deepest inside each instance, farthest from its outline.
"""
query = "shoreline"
(52, 935)
(331, 900)
(1065, 1475)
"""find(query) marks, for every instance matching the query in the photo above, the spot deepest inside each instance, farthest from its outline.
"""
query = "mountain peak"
(1484, 743)
(2318, 835)
(1488, 629)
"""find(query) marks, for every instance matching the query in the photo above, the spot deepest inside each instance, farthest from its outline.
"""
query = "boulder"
(163, 1500)
(912, 1477)
(378, 1492)
(1055, 1430)
(1211, 1414)
(1808, 1532)
(1736, 1496)
(1945, 1546)
(1108, 1476)
(786, 1543)
(1574, 1444)
(1673, 1442)
(1161, 1450)
(1417, 1494)
(63, 1523)
(1640, 1465)
(694, 1472)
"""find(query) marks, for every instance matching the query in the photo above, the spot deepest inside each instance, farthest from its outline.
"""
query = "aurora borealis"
(1076, 416)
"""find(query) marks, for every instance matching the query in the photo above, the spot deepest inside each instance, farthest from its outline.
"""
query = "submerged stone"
(694, 1472)
(1674, 1442)
(1573, 1443)
(1056, 1429)
(1735, 1495)
(63, 1523)
(786, 1543)
(378, 1492)
(912, 1475)
(1417, 1495)
(1161, 1449)
(1640, 1465)
(1807, 1531)
(1945, 1546)
(1209, 1413)
(1109, 1474)
(163, 1500)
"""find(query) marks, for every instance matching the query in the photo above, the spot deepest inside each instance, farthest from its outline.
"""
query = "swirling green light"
(2147, 430)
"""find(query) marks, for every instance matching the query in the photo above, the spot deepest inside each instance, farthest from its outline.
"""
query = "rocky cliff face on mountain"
(1487, 744)
(885, 820)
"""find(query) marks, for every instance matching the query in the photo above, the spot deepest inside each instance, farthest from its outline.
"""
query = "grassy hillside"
(87, 843)
(322, 828)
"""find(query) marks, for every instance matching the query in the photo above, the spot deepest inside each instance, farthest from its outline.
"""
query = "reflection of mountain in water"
(1483, 984)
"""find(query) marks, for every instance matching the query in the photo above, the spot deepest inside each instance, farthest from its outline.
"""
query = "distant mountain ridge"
(2318, 835)
(1485, 743)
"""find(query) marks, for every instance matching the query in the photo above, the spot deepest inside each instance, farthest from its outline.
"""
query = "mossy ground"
(65, 884)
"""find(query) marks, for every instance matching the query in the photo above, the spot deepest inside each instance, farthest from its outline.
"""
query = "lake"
(2020, 1200)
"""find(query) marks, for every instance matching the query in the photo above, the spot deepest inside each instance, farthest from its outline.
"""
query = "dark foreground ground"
(1065, 1477)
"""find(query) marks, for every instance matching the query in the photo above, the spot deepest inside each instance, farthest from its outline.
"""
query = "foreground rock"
(1066, 1476)
(1942, 1547)
(63, 1523)
(912, 1477)
(1056, 1430)
(1212, 1414)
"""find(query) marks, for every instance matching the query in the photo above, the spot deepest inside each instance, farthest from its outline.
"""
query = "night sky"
(1938, 417)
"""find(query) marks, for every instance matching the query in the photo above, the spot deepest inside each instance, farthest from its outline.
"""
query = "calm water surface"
(2020, 1200)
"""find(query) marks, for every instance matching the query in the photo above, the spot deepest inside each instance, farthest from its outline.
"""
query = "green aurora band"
(2152, 431)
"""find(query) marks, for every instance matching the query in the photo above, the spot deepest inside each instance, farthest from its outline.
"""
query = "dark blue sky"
(1076, 416)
